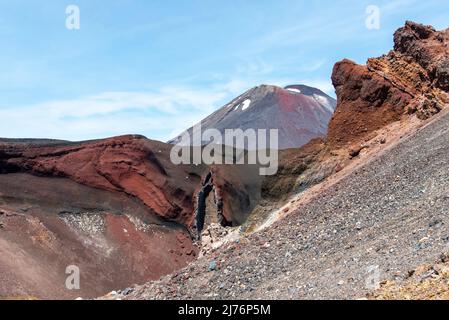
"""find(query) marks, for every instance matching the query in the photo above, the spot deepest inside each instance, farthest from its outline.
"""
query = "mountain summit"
(299, 112)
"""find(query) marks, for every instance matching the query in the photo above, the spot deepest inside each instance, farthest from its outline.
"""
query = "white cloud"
(165, 100)
(256, 66)
(160, 114)
(238, 86)
(112, 113)
(313, 66)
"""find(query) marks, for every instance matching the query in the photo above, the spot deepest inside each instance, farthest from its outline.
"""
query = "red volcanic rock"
(50, 223)
(139, 168)
(130, 164)
(366, 102)
(412, 78)
(118, 208)
(429, 48)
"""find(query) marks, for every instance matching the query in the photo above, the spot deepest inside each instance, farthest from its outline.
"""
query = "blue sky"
(157, 67)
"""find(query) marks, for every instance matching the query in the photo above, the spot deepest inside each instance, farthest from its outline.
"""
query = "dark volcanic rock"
(299, 113)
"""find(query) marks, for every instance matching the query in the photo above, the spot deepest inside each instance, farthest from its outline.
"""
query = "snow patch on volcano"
(294, 90)
(246, 104)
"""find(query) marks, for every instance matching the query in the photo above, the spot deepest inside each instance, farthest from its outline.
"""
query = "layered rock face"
(132, 165)
(412, 78)
(429, 49)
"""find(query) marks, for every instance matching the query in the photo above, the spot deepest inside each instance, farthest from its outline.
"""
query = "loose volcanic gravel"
(383, 220)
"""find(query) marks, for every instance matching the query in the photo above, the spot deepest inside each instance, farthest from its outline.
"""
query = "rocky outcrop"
(412, 78)
(366, 102)
(428, 48)
(408, 81)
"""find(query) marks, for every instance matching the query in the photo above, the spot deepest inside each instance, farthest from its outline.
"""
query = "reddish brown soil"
(52, 223)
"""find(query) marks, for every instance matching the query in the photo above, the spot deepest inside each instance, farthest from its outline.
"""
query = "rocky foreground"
(428, 281)
(390, 215)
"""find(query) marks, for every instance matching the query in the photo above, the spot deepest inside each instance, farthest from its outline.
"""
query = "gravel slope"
(391, 213)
